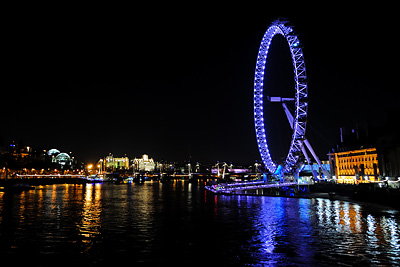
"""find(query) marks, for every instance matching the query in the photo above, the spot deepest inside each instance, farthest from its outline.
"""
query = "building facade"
(111, 163)
(61, 158)
(144, 164)
(355, 166)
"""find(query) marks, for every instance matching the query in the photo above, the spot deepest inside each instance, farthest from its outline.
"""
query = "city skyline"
(158, 133)
(164, 89)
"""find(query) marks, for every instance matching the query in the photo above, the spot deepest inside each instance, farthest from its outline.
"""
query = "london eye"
(298, 99)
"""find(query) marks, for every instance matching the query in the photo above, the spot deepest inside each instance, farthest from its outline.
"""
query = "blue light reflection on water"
(320, 232)
(180, 223)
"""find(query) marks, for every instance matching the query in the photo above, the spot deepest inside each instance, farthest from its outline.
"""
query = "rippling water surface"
(179, 223)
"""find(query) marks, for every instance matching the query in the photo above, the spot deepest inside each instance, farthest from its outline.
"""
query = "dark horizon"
(178, 86)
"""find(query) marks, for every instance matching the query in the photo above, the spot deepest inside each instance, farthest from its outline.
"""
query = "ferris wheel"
(298, 121)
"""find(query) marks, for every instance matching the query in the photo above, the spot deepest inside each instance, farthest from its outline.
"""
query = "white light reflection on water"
(341, 216)
(391, 230)
(322, 231)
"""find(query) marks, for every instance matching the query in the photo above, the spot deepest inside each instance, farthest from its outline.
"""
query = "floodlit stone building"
(112, 163)
(145, 164)
(355, 166)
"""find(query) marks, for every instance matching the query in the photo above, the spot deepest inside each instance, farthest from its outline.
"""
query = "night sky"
(177, 82)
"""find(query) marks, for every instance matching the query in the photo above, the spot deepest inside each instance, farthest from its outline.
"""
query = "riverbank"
(365, 193)
(370, 193)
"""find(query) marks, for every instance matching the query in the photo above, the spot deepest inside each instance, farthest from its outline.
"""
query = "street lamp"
(89, 167)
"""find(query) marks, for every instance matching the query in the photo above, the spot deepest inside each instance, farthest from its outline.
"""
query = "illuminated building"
(63, 159)
(355, 166)
(307, 170)
(53, 151)
(144, 164)
(112, 163)
(20, 152)
(368, 154)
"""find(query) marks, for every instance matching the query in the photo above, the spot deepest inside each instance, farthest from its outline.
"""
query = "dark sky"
(173, 82)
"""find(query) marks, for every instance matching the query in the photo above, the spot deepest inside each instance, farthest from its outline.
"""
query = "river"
(180, 224)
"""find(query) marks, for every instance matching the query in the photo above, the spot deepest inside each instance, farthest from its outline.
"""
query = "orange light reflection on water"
(91, 212)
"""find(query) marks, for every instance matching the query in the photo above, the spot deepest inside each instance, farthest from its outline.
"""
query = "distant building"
(368, 154)
(111, 163)
(63, 159)
(355, 166)
(145, 164)
(53, 151)
(18, 151)
(230, 170)
(307, 170)
(388, 147)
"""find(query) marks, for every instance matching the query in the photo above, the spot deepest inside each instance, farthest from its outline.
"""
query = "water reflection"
(90, 223)
(176, 222)
(321, 231)
(347, 217)
(343, 217)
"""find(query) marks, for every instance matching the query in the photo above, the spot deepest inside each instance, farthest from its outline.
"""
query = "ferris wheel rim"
(281, 27)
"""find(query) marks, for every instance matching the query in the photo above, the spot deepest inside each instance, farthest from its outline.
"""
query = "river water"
(180, 223)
